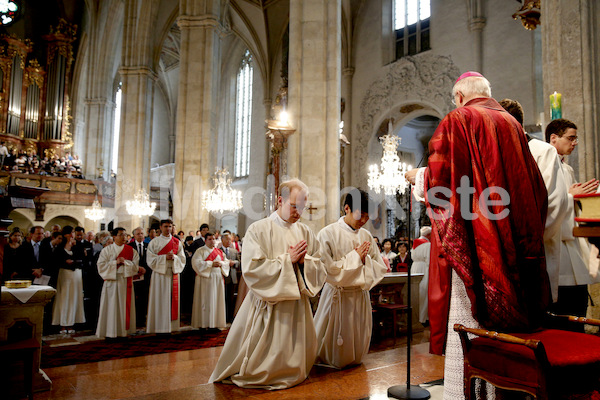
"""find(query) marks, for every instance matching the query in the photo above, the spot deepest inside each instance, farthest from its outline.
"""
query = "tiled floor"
(184, 375)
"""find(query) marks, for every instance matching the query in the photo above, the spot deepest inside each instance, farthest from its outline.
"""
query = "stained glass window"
(411, 25)
(8, 11)
(243, 120)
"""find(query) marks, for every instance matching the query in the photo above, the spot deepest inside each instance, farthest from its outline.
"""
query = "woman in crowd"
(68, 304)
(13, 256)
(402, 261)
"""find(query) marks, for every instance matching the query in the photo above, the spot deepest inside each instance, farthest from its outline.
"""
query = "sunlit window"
(117, 125)
(411, 25)
(243, 117)
(9, 9)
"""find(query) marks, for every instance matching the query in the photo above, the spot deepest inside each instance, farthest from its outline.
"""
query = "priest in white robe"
(166, 257)
(574, 274)
(272, 342)
(210, 265)
(354, 266)
(421, 256)
(117, 265)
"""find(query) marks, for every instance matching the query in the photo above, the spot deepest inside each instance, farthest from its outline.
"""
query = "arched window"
(243, 117)
(411, 25)
(114, 163)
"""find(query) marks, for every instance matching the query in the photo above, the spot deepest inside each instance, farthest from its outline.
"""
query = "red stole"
(501, 262)
(173, 245)
(127, 253)
(418, 242)
(237, 246)
(214, 254)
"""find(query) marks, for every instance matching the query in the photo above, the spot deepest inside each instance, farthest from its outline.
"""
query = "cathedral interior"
(159, 95)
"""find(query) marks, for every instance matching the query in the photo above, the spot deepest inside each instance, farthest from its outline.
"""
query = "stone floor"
(184, 375)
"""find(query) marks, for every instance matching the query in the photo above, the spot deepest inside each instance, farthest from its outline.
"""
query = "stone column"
(476, 25)
(99, 114)
(314, 104)
(135, 140)
(569, 54)
(348, 75)
(197, 105)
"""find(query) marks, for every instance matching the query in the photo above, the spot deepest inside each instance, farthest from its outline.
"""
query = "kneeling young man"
(117, 264)
(354, 265)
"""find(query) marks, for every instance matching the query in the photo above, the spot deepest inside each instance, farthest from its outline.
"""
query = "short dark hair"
(203, 226)
(155, 226)
(187, 238)
(56, 234)
(166, 221)
(514, 108)
(115, 232)
(208, 234)
(558, 127)
(67, 230)
(33, 228)
(386, 241)
(79, 229)
(226, 231)
(355, 195)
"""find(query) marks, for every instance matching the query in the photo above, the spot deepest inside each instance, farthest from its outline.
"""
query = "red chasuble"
(501, 262)
(127, 253)
(173, 245)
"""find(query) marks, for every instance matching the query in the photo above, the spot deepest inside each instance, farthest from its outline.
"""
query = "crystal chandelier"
(96, 213)
(391, 177)
(222, 197)
(141, 205)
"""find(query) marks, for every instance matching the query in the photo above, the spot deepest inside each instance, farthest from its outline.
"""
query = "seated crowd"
(31, 163)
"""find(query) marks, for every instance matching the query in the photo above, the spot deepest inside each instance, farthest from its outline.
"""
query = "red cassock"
(501, 262)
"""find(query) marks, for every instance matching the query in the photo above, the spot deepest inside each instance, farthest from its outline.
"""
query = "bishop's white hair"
(473, 86)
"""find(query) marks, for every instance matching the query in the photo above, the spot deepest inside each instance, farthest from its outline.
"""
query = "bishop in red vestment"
(487, 202)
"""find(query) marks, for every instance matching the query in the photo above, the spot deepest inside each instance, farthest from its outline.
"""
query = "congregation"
(31, 163)
(81, 267)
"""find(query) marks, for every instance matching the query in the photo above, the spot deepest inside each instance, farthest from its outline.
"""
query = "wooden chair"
(547, 363)
(388, 302)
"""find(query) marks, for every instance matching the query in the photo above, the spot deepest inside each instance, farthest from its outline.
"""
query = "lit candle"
(555, 106)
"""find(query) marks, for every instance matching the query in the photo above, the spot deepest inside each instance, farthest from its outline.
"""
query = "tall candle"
(555, 106)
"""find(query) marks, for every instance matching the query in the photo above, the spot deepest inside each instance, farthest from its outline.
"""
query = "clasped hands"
(363, 250)
(298, 252)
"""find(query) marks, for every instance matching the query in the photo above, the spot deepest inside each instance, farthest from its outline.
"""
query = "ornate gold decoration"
(529, 14)
(50, 153)
(62, 36)
(34, 73)
(67, 135)
(85, 188)
(28, 182)
(4, 180)
(58, 186)
(30, 146)
(18, 46)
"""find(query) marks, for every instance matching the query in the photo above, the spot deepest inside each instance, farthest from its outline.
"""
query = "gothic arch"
(410, 87)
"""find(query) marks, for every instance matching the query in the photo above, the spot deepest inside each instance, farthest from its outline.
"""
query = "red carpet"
(101, 350)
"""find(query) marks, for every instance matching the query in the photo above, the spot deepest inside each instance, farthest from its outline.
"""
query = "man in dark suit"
(92, 282)
(231, 281)
(199, 241)
(32, 266)
(141, 285)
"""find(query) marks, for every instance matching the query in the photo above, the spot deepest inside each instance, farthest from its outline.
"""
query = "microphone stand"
(408, 391)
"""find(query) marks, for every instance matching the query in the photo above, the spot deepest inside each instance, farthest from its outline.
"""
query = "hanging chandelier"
(391, 176)
(222, 197)
(141, 205)
(96, 213)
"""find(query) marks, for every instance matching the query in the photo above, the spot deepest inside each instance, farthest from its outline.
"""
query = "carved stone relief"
(416, 83)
